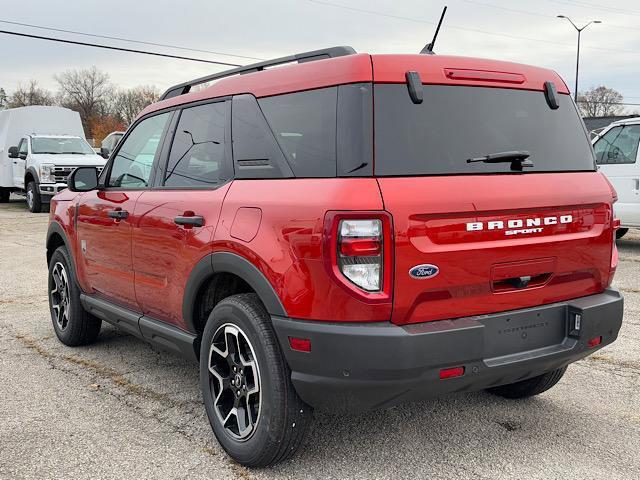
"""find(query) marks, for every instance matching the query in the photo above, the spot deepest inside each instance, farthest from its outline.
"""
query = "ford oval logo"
(423, 271)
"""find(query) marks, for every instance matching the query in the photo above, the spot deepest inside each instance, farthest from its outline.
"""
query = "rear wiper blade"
(517, 158)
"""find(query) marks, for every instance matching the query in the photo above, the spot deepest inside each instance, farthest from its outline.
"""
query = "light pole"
(579, 30)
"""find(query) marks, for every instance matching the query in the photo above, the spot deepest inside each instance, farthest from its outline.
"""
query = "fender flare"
(56, 228)
(232, 263)
(33, 173)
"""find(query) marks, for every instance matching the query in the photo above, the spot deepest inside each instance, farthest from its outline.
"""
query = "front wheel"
(530, 387)
(71, 322)
(34, 202)
(253, 409)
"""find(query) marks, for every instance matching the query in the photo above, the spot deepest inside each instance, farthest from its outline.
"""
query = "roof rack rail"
(331, 52)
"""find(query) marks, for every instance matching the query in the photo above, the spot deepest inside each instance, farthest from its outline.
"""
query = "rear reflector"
(594, 342)
(300, 344)
(451, 372)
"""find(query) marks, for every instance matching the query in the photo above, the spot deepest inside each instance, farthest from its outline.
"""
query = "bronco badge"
(423, 271)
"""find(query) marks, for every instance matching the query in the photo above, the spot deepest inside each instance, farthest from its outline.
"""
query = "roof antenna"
(428, 48)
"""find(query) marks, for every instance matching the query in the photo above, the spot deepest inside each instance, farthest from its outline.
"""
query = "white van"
(618, 156)
(39, 147)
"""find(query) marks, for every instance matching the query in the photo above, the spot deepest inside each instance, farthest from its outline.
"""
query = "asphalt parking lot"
(121, 409)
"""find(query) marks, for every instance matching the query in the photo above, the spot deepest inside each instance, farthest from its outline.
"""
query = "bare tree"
(600, 102)
(3, 99)
(30, 94)
(127, 104)
(86, 91)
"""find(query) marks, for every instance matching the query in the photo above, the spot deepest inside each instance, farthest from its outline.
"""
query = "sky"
(516, 30)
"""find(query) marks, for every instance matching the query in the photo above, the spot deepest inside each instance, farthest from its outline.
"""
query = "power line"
(596, 6)
(108, 47)
(475, 30)
(142, 42)
(536, 14)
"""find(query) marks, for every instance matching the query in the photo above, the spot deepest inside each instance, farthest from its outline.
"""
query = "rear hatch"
(477, 238)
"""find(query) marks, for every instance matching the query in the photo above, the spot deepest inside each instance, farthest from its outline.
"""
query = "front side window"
(197, 155)
(618, 145)
(61, 146)
(22, 148)
(132, 165)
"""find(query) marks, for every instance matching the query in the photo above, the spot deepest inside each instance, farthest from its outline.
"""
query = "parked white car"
(618, 156)
(39, 147)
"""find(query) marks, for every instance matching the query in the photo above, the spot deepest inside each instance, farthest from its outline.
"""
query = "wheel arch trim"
(219, 262)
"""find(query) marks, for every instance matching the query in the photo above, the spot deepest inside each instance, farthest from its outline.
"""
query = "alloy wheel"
(234, 380)
(60, 298)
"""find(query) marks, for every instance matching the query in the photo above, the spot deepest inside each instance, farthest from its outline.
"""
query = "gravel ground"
(121, 409)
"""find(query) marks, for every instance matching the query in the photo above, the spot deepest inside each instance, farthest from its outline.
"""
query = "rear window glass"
(454, 124)
(304, 125)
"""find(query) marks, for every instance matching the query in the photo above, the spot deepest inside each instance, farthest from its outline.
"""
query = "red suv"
(348, 231)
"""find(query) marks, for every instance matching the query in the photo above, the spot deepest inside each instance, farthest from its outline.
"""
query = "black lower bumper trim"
(362, 366)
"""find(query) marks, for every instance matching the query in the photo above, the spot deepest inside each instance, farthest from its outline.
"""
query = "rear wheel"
(72, 324)
(34, 202)
(253, 409)
(4, 194)
(621, 232)
(530, 387)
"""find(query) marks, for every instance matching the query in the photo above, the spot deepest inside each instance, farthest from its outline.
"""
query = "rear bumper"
(356, 367)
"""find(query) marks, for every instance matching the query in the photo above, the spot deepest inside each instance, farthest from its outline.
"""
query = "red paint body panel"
(430, 216)
(288, 248)
(488, 73)
(164, 253)
(106, 265)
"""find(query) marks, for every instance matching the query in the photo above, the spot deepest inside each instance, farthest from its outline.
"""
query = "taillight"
(358, 248)
(360, 253)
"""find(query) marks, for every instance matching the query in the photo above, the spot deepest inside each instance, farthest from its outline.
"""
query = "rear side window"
(304, 125)
(456, 123)
(618, 145)
(197, 156)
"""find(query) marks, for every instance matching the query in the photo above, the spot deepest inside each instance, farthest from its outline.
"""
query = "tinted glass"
(22, 147)
(61, 145)
(197, 151)
(255, 151)
(454, 124)
(355, 130)
(132, 165)
(304, 125)
(618, 145)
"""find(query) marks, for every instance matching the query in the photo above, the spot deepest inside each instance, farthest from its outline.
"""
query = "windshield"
(456, 123)
(61, 145)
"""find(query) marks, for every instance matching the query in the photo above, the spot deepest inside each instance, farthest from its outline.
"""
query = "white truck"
(39, 147)
(618, 157)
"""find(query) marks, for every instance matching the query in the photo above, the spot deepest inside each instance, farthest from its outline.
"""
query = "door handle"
(189, 221)
(118, 214)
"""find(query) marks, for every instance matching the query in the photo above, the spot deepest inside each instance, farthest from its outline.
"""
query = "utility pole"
(579, 30)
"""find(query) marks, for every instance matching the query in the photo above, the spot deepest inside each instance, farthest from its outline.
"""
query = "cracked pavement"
(122, 409)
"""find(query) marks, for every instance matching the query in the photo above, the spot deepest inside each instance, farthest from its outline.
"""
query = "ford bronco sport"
(349, 231)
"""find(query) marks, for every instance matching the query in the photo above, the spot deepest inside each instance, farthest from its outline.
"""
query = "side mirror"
(13, 152)
(104, 151)
(83, 179)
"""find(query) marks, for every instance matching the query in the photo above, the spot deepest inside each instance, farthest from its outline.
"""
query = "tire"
(34, 202)
(621, 232)
(271, 423)
(72, 324)
(5, 193)
(530, 387)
